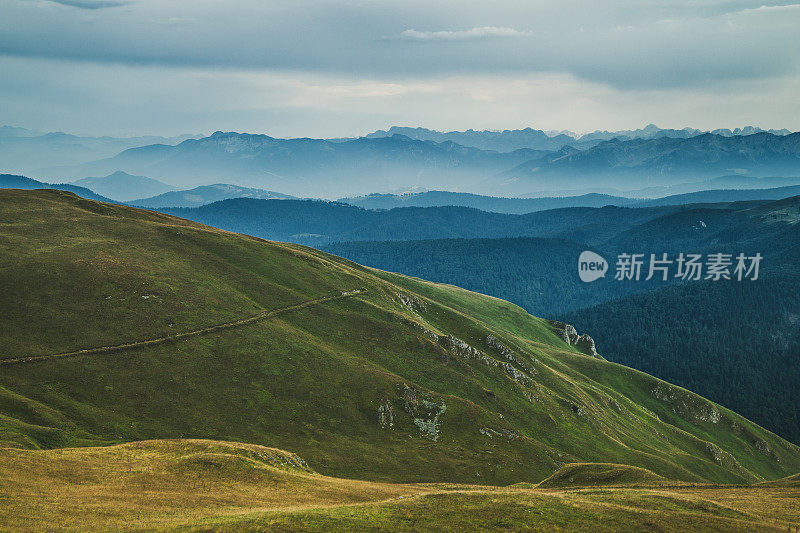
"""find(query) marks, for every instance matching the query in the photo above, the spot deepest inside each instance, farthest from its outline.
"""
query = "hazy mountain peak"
(121, 186)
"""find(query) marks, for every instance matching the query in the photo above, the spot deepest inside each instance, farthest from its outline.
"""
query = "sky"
(327, 68)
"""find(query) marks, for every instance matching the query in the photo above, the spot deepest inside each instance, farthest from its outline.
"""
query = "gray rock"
(586, 344)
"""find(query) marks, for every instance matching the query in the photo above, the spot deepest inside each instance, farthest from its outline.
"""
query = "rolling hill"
(742, 336)
(123, 187)
(120, 325)
(743, 339)
(521, 206)
(12, 181)
(202, 485)
(537, 274)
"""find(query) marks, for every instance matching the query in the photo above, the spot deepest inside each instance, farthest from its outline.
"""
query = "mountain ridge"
(660, 161)
(297, 166)
(122, 187)
(205, 194)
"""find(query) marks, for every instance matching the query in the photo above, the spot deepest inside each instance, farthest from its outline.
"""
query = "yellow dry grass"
(205, 484)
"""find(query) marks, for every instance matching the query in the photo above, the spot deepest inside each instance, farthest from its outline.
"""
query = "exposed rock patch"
(503, 350)
(386, 415)
(687, 404)
(424, 412)
(458, 348)
(412, 302)
(586, 344)
(491, 433)
(568, 334)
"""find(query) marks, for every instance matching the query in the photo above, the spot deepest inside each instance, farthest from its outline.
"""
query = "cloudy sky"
(337, 68)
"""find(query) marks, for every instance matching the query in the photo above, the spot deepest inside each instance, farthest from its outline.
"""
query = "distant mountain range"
(24, 151)
(123, 187)
(500, 141)
(334, 168)
(204, 195)
(654, 162)
(509, 140)
(309, 167)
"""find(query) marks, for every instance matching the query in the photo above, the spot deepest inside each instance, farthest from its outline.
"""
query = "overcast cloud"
(324, 68)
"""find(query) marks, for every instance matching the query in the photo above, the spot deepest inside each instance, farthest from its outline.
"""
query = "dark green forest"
(737, 343)
(537, 274)
(316, 222)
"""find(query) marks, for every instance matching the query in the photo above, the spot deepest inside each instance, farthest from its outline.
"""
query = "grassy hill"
(12, 181)
(600, 474)
(169, 329)
(742, 337)
(203, 485)
(789, 481)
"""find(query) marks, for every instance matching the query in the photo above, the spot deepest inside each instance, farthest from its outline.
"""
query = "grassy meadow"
(201, 485)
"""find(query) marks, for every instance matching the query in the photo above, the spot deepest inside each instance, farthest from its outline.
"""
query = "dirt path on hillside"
(169, 338)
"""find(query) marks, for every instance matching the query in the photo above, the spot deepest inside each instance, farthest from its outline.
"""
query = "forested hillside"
(538, 274)
(737, 343)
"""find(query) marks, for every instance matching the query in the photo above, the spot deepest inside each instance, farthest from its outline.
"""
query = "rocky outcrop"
(412, 302)
(458, 348)
(586, 344)
(568, 334)
(503, 350)
(386, 415)
(425, 413)
(687, 404)
(461, 348)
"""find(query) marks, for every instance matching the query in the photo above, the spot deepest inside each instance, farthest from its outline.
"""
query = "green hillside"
(169, 329)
